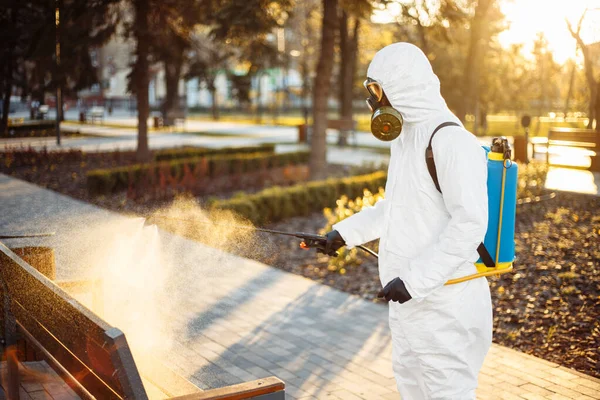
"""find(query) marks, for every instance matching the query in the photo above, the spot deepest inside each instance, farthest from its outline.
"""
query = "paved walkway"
(227, 134)
(219, 319)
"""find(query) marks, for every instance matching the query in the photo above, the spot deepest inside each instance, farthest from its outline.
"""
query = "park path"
(231, 134)
(228, 319)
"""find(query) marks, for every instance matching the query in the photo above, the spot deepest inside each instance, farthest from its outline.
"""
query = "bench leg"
(10, 352)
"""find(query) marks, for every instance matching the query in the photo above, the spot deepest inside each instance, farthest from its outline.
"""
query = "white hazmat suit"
(441, 336)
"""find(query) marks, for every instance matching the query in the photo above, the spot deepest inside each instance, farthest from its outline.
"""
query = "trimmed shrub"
(14, 157)
(186, 172)
(276, 203)
(191, 152)
(30, 129)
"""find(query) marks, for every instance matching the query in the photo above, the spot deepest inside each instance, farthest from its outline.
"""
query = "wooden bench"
(175, 117)
(571, 137)
(42, 111)
(96, 113)
(91, 356)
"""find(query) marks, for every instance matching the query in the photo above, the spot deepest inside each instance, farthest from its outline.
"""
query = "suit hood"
(409, 82)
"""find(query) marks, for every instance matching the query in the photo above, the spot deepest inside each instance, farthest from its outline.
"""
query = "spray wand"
(26, 235)
(309, 240)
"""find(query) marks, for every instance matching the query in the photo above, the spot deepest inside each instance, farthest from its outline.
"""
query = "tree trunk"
(474, 56)
(345, 89)
(214, 106)
(318, 156)
(259, 110)
(348, 51)
(570, 91)
(173, 65)
(8, 80)
(598, 107)
(592, 109)
(141, 71)
(589, 74)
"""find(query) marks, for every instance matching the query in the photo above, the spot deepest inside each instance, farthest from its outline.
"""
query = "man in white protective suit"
(440, 333)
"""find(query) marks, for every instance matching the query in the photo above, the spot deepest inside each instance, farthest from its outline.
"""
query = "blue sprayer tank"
(502, 205)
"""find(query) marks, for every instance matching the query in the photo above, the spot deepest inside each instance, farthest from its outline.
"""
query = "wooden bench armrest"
(245, 390)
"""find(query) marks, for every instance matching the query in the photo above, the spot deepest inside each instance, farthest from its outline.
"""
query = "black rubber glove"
(395, 291)
(333, 244)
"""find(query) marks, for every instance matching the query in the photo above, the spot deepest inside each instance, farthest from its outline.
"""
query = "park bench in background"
(572, 137)
(91, 356)
(175, 117)
(96, 113)
(347, 125)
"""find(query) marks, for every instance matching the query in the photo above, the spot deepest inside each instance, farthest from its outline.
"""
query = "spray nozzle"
(501, 145)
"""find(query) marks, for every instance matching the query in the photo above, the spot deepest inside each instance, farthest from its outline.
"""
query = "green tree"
(207, 59)
(483, 26)
(321, 90)
(28, 61)
(352, 13)
(140, 75)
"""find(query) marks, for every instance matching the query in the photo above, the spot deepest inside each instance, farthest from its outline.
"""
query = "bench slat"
(246, 390)
(65, 364)
(573, 135)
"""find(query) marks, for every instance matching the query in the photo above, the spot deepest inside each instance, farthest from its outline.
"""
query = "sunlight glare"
(528, 17)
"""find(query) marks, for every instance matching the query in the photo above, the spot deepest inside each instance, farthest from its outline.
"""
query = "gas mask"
(386, 121)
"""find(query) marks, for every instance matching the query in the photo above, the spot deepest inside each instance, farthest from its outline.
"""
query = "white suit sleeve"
(364, 226)
(461, 166)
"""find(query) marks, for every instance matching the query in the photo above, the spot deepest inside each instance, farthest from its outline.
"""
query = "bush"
(184, 172)
(344, 208)
(14, 157)
(276, 203)
(191, 152)
(30, 129)
(532, 179)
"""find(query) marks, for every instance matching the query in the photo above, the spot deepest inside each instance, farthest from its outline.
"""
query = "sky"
(528, 17)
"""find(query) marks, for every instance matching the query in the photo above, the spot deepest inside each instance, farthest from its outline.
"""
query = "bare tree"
(589, 66)
(477, 48)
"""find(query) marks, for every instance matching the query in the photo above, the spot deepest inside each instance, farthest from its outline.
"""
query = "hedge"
(277, 203)
(112, 180)
(30, 129)
(13, 157)
(191, 152)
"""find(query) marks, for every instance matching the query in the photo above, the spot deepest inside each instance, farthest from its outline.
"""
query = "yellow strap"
(480, 275)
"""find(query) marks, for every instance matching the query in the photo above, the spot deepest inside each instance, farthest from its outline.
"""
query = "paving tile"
(587, 383)
(565, 391)
(247, 320)
(529, 387)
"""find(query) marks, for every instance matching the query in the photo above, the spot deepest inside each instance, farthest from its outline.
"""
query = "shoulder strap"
(486, 258)
(429, 155)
